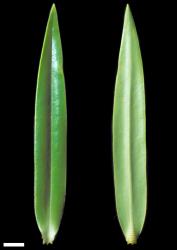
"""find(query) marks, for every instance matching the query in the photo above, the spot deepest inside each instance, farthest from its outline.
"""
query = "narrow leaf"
(129, 135)
(50, 134)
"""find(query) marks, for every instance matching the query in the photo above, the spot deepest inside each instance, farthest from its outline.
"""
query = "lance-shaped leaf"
(50, 134)
(129, 135)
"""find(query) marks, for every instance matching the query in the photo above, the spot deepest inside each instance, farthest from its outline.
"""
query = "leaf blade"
(50, 134)
(129, 134)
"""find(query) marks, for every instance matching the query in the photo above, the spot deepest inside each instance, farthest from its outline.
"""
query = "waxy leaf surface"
(129, 134)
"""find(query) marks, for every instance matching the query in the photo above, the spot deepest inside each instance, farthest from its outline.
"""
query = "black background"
(91, 34)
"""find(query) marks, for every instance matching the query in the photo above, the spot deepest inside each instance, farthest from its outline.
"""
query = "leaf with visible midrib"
(50, 134)
(129, 135)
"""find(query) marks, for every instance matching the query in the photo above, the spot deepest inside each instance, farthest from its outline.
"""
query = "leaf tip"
(53, 10)
(127, 7)
(127, 10)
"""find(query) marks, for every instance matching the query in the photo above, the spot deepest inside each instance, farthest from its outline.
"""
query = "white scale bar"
(13, 244)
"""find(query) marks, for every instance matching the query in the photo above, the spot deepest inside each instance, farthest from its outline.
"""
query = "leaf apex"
(127, 6)
(53, 7)
(127, 10)
(53, 10)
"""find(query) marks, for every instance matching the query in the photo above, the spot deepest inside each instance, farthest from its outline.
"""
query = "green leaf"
(129, 135)
(50, 134)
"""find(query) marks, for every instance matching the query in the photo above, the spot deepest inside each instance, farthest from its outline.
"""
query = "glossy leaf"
(50, 134)
(129, 134)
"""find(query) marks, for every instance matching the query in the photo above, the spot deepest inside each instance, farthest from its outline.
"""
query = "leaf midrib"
(49, 129)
